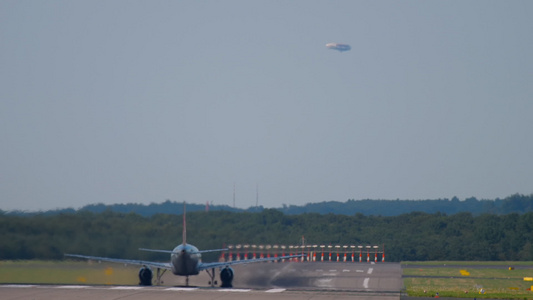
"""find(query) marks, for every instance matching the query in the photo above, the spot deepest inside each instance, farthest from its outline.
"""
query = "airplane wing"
(125, 261)
(205, 266)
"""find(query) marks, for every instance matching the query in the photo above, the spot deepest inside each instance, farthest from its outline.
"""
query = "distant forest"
(410, 230)
(513, 204)
(413, 236)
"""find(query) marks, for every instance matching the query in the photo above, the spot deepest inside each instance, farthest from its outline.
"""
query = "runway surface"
(258, 281)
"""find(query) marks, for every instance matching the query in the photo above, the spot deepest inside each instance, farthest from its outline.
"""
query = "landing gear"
(212, 282)
(159, 275)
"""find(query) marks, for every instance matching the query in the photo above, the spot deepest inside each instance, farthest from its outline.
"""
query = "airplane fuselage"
(184, 260)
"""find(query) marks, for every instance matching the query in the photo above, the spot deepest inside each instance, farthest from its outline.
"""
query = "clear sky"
(144, 101)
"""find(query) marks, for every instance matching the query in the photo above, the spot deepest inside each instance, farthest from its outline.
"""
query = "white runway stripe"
(72, 287)
(19, 285)
(235, 290)
(178, 289)
(365, 283)
(275, 291)
(127, 288)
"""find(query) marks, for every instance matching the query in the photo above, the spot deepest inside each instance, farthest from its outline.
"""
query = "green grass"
(484, 273)
(468, 263)
(498, 282)
(67, 272)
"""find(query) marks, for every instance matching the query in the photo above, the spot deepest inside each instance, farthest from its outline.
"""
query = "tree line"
(411, 236)
(516, 203)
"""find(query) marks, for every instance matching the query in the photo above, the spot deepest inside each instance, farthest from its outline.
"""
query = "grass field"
(466, 279)
(67, 272)
(468, 263)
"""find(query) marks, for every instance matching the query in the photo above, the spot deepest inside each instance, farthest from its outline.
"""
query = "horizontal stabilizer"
(156, 250)
(173, 252)
(213, 250)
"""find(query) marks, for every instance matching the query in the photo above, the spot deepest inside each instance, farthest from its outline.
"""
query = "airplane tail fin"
(184, 225)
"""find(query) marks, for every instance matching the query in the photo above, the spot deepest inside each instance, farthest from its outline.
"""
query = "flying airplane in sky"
(339, 47)
(185, 260)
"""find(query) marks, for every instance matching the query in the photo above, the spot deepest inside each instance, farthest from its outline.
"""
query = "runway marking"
(235, 290)
(370, 270)
(359, 271)
(365, 283)
(127, 288)
(72, 287)
(345, 271)
(275, 290)
(19, 285)
(178, 289)
(332, 271)
(324, 282)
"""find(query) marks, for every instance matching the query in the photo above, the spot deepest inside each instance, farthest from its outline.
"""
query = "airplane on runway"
(185, 260)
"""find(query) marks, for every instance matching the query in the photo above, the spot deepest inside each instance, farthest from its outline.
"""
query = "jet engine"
(145, 276)
(226, 277)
